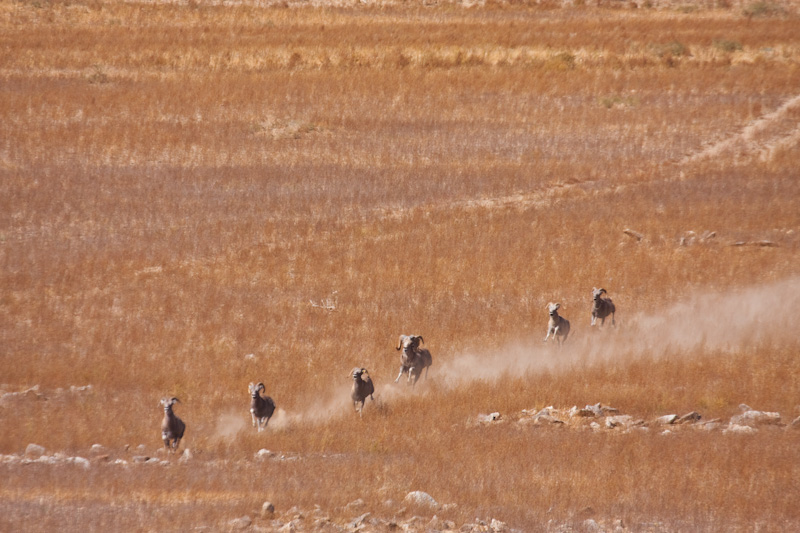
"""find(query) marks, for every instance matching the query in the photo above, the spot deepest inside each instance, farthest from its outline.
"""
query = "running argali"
(414, 359)
(261, 407)
(558, 326)
(362, 388)
(172, 427)
(602, 307)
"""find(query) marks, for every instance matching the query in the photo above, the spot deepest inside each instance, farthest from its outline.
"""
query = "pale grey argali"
(602, 307)
(362, 388)
(172, 427)
(261, 407)
(413, 359)
(557, 326)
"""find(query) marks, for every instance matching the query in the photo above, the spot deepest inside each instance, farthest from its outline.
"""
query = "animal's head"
(168, 403)
(597, 293)
(553, 308)
(360, 373)
(409, 342)
(255, 389)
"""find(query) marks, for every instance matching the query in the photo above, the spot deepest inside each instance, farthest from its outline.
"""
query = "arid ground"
(199, 195)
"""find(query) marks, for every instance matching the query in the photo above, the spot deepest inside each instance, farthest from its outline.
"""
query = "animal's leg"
(594, 319)
(255, 420)
(402, 368)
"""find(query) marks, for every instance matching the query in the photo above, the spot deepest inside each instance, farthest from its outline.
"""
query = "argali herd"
(413, 360)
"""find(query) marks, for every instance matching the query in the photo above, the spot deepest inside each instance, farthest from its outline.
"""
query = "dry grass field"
(194, 196)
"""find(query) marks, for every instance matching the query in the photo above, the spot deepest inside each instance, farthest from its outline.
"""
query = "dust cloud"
(712, 321)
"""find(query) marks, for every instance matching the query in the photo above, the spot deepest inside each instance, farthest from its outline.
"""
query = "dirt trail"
(761, 137)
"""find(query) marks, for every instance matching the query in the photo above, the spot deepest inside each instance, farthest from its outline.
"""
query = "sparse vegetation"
(181, 186)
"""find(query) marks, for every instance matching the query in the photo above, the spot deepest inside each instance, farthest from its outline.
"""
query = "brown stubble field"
(185, 188)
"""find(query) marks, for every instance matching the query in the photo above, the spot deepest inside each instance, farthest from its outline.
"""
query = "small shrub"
(562, 61)
(727, 46)
(762, 9)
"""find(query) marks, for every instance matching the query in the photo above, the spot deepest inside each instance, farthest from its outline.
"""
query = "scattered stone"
(153, 461)
(689, 418)
(497, 526)
(755, 418)
(34, 451)
(488, 419)
(596, 410)
(708, 425)
(140, 458)
(358, 521)
(355, 505)
(762, 243)
(419, 497)
(240, 523)
(595, 426)
(97, 449)
(267, 510)
(80, 461)
(619, 420)
(690, 237)
(740, 430)
(590, 526)
(635, 234)
(666, 420)
(263, 453)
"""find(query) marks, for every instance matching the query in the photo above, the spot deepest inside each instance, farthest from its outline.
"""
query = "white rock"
(97, 449)
(591, 526)
(267, 509)
(80, 461)
(34, 451)
(666, 420)
(419, 497)
(741, 430)
(619, 420)
(754, 418)
(240, 523)
(488, 419)
(498, 527)
(263, 453)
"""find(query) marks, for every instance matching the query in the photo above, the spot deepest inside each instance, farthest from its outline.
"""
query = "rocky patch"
(600, 417)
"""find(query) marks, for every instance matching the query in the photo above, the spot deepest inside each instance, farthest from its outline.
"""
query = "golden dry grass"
(179, 183)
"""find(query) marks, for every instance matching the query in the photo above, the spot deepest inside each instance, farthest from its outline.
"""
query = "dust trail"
(714, 321)
(708, 320)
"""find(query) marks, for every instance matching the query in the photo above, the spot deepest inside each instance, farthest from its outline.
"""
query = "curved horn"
(603, 291)
(260, 387)
(400, 342)
(421, 339)
(173, 400)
